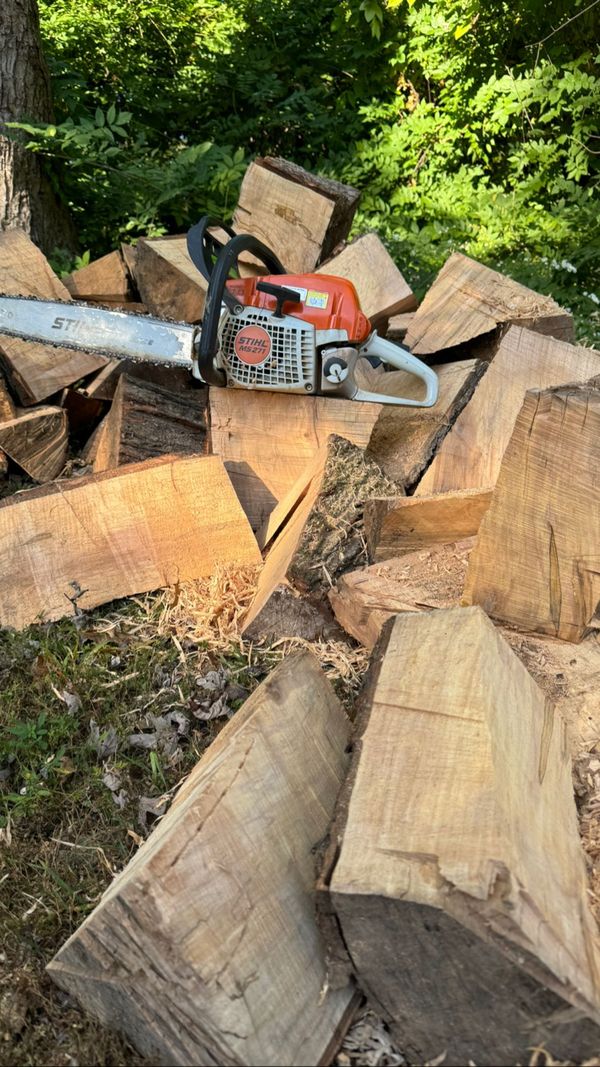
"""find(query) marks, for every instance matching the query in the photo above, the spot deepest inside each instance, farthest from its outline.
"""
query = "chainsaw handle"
(400, 359)
(205, 250)
(207, 346)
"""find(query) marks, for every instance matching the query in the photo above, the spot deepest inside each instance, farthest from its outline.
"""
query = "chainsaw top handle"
(215, 261)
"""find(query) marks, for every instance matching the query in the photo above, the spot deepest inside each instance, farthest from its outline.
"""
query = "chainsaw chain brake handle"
(215, 262)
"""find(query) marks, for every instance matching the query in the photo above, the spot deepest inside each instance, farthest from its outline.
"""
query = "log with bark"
(147, 420)
(28, 201)
(206, 948)
(456, 874)
(300, 216)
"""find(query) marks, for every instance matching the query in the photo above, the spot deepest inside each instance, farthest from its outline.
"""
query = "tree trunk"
(27, 199)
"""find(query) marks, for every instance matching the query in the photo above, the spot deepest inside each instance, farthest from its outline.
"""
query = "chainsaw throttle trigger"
(281, 294)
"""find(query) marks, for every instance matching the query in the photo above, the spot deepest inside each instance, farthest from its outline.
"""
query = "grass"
(77, 796)
(63, 832)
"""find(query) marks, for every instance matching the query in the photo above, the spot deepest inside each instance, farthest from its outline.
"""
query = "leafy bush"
(466, 125)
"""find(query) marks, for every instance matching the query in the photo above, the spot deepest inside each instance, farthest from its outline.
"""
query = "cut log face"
(37, 441)
(536, 564)
(25, 271)
(324, 533)
(146, 420)
(98, 538)
(7, 405)
(404, 439)
(224, 962)
(169, 284)
(382, 291)
(103, 280)
(363, 600)
(299, 216)
(467, 300)
(36, 371)
(397, 525)
(267, 440)
(398, 325)
(471, 454)
(458, 881)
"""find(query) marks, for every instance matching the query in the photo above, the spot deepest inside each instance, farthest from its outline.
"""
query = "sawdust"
(209, 611)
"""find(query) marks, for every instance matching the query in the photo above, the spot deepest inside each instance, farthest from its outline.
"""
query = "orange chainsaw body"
(328, 303)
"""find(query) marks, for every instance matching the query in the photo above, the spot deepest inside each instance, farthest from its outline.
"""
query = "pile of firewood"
(427, 856)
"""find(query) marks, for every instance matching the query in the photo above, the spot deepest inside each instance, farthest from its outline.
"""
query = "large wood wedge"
(300, 216)
(405, 439)
(267, 440)
(467, 300)
(206, 950)
(36, 371)
(536, 565)
(169, 284)
(105, 280)
(470, 455)
(456, 872)
(84, 542)
(317, 533)
(363, 600)
(382, 291)
(397, 525)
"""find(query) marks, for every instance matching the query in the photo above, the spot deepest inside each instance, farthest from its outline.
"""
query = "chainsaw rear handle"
(399, 358)
(217, 272)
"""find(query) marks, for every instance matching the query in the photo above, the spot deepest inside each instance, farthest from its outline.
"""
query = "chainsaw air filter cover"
(262, 351)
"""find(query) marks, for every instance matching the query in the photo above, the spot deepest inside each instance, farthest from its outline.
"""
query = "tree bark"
(27, 200)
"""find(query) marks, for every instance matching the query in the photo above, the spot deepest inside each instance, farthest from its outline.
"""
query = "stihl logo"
(68, 325)
(252, 345)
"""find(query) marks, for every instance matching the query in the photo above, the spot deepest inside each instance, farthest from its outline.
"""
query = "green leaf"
(99, 117)
(461, 30)
(111, 114)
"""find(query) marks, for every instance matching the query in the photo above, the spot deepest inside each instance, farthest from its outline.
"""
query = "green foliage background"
(467, 124)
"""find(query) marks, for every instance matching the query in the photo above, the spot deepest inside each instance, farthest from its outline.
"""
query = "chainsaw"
(279, 332)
